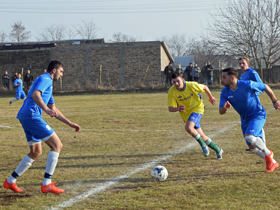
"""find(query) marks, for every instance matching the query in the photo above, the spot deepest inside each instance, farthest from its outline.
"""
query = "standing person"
(28, 79)
(210, 73)
(188, 72)
(14, 78)
(184, 97)
(6, 80)
(167, 72)
(20, 94)
(204, 73)
(40, 98)
(241, 95)
(195, 73)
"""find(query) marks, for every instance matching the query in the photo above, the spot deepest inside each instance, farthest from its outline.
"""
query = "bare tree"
(176, 43)
(52, 32)
(19, 32)
(3, 36)
(120, 37)
(248, 27)
(87, 30)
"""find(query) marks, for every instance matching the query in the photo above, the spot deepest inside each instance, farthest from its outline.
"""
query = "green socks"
(199, 140)
(212, 145)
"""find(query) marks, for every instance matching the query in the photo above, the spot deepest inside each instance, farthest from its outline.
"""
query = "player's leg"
(253, 135)
(16, 98)
(55, 144)
(209, 142)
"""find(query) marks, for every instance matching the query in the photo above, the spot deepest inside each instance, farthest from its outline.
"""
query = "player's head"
(55, 69)
(177, 80)
(19, 76)
(229, 76)
(244, 63)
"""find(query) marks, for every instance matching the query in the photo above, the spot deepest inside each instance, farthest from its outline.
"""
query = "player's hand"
(276, 105)
(213, 100)
(227, 105)
(182, 108)
(51, 112)
(76, 126)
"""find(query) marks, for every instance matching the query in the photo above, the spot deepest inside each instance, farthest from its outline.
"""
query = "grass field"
(107, 165)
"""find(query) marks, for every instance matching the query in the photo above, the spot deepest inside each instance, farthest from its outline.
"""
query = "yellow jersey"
(189, 97)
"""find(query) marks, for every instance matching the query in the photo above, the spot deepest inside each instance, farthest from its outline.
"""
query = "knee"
(35, 154)
(57, 147)
(189, 129)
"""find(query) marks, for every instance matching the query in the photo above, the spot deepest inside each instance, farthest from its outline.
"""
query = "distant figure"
(204, 73)
(167, 72)
(28, 79)
(18, 84)
(6, 80)
(188, 72)
(179, 69)
(195, 73)
(14, 78)
(210, 70)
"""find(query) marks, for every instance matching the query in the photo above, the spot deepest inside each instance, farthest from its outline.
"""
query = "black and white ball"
(159, 173)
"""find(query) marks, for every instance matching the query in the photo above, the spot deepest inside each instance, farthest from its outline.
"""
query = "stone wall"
(92, 63)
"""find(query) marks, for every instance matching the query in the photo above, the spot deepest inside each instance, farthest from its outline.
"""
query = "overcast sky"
(145, 19)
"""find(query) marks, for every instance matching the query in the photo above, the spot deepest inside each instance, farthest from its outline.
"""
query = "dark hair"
(54, 65)
(175, 75)
(231, 72)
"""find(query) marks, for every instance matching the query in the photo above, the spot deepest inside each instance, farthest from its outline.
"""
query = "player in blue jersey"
(40, 98)
(20, 94)
(241, 95)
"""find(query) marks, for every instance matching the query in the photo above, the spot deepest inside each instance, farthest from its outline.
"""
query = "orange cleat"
(12, 187)
(270, 166)
(51, 188)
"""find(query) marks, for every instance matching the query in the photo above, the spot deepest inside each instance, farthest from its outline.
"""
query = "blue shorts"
(20, 95)
(254, 127)
(36, 129)
(195, 117)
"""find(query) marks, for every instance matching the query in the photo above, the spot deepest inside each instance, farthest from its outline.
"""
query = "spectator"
(195, 73)
(14, 78)
(204, 73)
(6, 80)
(167, 72)
(179, 69)
(28, 79)
(209, 73)
(188, 73)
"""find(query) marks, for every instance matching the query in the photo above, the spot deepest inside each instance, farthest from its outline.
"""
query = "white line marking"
(3, 126)
(104, 186)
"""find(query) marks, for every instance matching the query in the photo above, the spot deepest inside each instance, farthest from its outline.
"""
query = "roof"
(184, 61)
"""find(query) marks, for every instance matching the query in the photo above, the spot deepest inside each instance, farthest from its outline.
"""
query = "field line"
(104, 186)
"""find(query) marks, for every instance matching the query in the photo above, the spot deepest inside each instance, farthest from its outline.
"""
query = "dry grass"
(121, 133)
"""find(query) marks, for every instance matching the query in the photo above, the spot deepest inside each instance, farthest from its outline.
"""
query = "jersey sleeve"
(171, 101)
(223, 98)
(43, 84)
(198, 88)
(51, 101)
(257, 86)
(256, 77)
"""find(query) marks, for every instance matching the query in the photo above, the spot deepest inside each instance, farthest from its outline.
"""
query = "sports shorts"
(20, 95)
(195, 117)
(254, 127)
(36, 129)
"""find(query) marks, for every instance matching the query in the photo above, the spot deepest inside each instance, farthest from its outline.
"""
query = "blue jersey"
(29, 109)
(244, 99)
(251, 74)
(19, 87)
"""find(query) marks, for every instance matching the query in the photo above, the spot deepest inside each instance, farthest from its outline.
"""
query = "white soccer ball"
(159, 173)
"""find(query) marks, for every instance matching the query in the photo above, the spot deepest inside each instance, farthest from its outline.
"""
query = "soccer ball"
(159, 173)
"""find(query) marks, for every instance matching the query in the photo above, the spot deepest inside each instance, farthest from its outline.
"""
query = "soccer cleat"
(51, 188)
(10, 103)
(219, 155)
(12, 187)
(205, 151)
(270, 166)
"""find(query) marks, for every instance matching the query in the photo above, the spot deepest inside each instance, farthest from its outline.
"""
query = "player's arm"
(176, 109)
(62, 118)
(212, 100)
(36, 95)
(269, 92)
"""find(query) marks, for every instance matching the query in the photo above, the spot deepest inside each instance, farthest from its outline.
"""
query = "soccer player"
(241, 95)
(40, 98)
(20, 94)
(184, 97)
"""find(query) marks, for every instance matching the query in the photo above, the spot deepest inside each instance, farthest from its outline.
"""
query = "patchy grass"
(121, 132)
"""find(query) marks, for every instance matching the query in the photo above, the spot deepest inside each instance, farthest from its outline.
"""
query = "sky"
(148, 20)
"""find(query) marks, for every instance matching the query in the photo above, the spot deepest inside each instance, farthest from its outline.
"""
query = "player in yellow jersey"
(184, 97)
